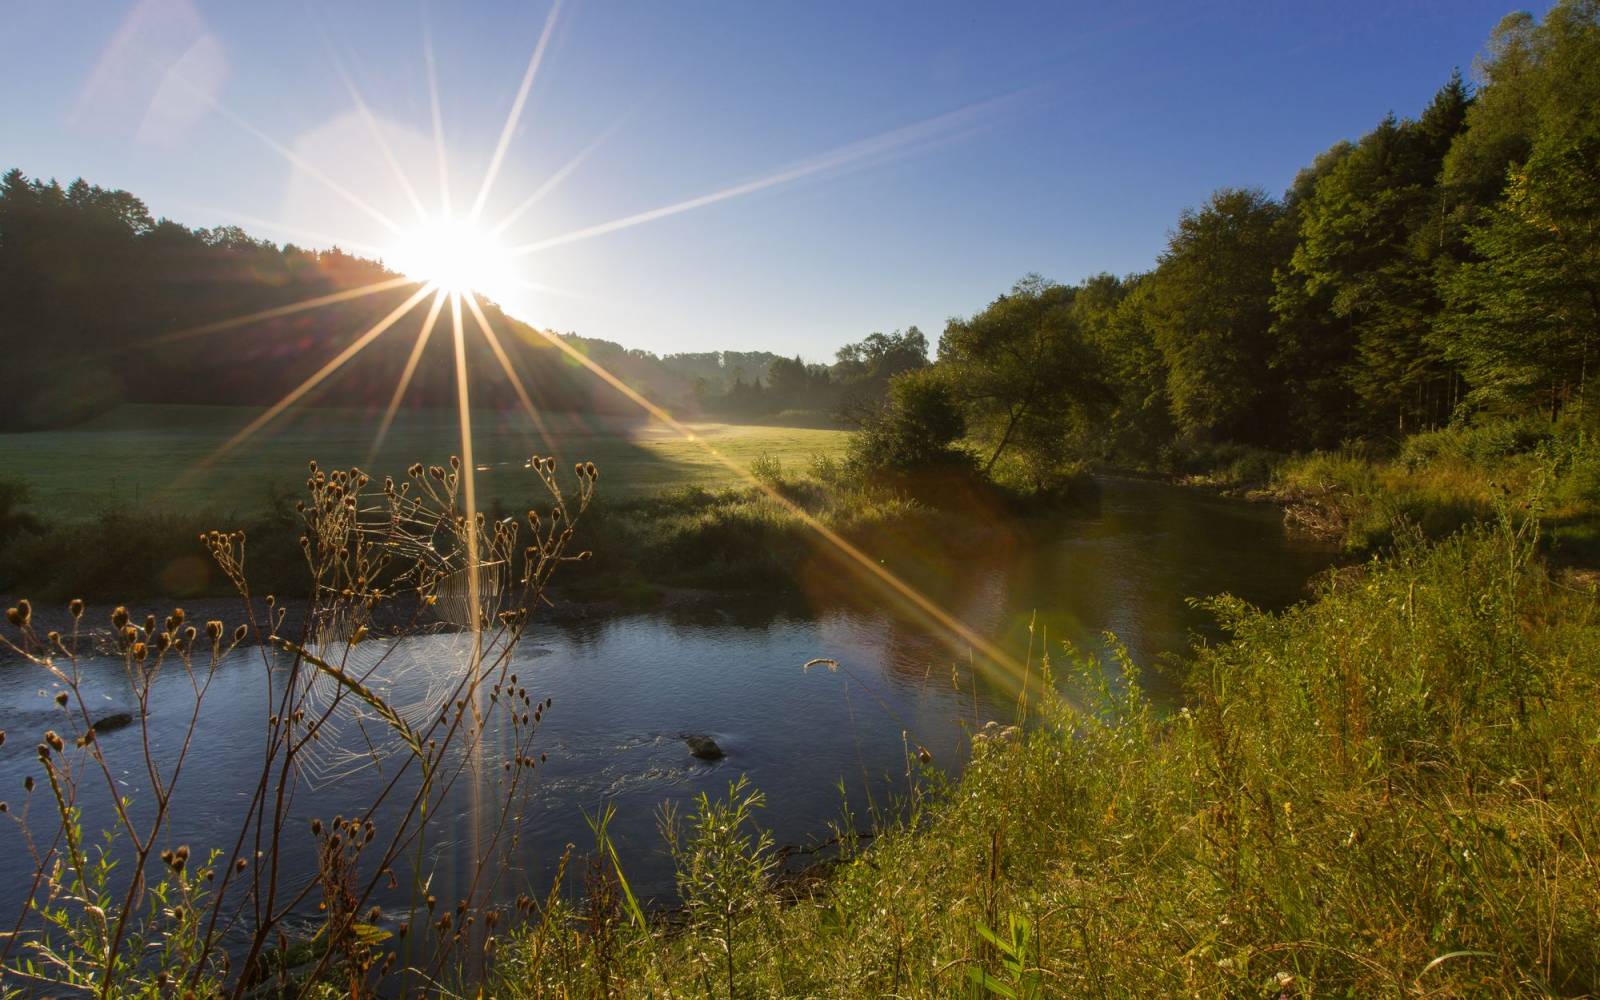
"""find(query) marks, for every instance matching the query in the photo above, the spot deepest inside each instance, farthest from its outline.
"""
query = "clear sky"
(884, 163)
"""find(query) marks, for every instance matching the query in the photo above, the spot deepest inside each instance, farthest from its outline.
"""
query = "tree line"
(106, 304)
(1438, 268)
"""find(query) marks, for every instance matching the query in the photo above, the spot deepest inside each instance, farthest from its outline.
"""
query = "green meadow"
(172, 458)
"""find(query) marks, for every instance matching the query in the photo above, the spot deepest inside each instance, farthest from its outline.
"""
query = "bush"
(914, 435)
(1389, 791)
(1484, 443)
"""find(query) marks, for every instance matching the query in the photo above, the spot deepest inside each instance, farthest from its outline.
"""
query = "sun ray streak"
(855, 153)
(469, 478)
(438, 120)
(371, 121)
(501, 356)
(310, 235)
(539, 286)
(405, 376)
(276, 311)
(869, 566)
(294, 395)
(556, 178)
(284, 151)
(515, 114)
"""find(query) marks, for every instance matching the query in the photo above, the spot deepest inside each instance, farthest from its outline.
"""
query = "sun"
(455, 255)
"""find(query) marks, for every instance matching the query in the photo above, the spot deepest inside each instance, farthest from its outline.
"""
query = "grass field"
(157, 456)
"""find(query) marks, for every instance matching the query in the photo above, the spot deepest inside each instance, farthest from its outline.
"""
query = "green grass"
(156, 456)
(1443, 480)
(1391, 791)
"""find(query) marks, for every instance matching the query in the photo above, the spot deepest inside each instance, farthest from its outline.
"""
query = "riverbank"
(647, 550)
(1389, 790)
(1365, 498)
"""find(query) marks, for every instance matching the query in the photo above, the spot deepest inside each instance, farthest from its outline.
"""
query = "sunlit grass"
(133, 454)
(1388, 792)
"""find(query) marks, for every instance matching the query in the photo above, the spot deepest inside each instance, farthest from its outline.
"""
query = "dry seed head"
(14, 616)
(213, 630)
(75, 607)
(55, 741)
(27, 783)
(119, 617)
(61, 699)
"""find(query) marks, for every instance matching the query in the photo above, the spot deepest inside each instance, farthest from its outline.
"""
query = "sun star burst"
(455, 255)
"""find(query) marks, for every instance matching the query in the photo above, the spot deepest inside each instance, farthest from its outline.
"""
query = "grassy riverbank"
(1441, 481)
(1390, 791)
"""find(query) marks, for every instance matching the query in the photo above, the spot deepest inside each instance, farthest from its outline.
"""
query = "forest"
(1442, 268)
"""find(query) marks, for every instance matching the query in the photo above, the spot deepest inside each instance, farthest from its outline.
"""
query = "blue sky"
(934, 152)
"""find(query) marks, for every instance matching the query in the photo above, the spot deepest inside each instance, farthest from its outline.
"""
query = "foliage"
(916, 430)
(1210, 315)
(139, 915)
(1023, 373)
(1388, 791)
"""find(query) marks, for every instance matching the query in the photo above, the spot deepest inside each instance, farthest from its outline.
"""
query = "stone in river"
(704, 747)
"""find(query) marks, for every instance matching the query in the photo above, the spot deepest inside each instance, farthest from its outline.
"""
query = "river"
(626, 688)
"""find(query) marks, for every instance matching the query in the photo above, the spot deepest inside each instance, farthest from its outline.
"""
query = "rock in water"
(111, 722)
(704, 747)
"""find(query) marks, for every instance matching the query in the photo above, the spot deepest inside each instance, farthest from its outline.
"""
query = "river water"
(625, 690)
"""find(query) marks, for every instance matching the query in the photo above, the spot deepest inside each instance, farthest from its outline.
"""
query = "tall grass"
(126, 911)
(1390, 791)
(1444, 480)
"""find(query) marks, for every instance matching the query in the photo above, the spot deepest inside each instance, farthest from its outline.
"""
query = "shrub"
(915, 432)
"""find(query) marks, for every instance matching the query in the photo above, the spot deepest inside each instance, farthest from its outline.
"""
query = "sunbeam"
(372, 127)
(515, 114)
(294, 395)
(556, 178)
(438, 117)
(288, 310)
(294, 158)
(511, 373)
(918, 601)
(405, 376)
(310, 235)
(928, 130)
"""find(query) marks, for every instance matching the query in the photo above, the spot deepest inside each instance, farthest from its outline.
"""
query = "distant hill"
(103, 305)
